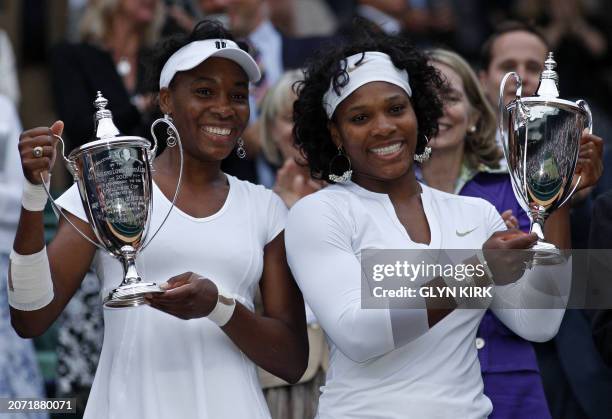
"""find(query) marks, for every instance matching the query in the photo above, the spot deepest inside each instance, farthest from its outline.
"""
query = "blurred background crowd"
(54, 56)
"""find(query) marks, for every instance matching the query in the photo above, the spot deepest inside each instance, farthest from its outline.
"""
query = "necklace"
(123, 66)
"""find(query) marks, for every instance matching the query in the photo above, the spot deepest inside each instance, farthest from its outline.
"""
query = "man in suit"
(601, 238)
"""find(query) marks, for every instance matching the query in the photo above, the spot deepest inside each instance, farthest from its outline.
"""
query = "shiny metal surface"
(542, 154)
(541, 141)
(115, 187)
(113, 175)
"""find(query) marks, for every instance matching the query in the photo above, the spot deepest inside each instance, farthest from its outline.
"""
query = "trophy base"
(546, 254)
(130, 295)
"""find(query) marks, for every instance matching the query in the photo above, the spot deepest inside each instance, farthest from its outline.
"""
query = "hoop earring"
(171, 139)
(424, 156)
(240, 150)
(340, 163)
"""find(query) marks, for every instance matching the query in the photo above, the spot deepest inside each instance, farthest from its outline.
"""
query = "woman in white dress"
(222, 241)
(363, 116)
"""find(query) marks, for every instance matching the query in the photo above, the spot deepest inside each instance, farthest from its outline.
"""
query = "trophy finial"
(549, 68)
(549, 80)
(100, 102)
(550, 62)
(103, 118)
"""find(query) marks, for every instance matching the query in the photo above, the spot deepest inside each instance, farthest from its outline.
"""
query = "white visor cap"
(362, 68)
(196, 52)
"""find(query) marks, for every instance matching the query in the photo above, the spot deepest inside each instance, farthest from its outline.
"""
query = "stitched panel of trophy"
(118, 191)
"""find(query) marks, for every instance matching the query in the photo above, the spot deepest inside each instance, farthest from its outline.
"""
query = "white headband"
(195, 53)
(364, 68)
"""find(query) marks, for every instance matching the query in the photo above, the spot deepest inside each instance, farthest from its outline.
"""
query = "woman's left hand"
(590, 160)
(506, 254)
(186, 296)
(294, 183)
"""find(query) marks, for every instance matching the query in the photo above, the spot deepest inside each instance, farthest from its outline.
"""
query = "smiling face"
(210, 107)
(377, 127)
(459, 115)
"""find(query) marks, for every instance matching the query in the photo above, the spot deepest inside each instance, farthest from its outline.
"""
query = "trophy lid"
(103, 119)
(105, 131)
(549, 79)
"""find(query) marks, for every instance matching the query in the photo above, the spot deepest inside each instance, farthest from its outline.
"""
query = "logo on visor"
(356, 65)
(220, 44)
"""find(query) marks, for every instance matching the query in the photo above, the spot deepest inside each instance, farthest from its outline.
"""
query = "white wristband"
(483, 262)
(224, 309)
(30, 286)
(34, 197)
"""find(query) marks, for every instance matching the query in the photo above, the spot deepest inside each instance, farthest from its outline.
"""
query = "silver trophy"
(114, 176)
(541, 141)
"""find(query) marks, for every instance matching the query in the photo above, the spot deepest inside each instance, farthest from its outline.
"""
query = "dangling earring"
(171, 139)
(340, 163)
(240, 150)
(472, 129)
(424, 156)
(173, 135)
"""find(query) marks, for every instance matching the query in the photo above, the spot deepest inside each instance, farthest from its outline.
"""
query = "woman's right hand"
(33, 167)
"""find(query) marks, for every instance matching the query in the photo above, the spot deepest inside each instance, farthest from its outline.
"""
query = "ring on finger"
(37, 151)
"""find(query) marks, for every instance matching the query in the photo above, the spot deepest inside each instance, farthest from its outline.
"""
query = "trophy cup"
(113, 175)
(541, 141)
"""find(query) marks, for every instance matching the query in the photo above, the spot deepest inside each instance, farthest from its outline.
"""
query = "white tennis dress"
(156, 366)
(387, 363)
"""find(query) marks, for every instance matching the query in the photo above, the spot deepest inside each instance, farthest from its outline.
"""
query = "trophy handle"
(585, 106)
(502, 108)
(523, 114)
(71, 167)
(152, 153)
(58, 210)
(587, 109)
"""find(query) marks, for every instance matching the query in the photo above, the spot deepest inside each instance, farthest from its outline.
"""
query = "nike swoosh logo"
(465, 233)
(354, 67)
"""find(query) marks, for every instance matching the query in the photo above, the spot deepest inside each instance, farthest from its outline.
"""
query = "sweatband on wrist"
(485, 265)
(224, 309)
(30, 286)
(34, 197)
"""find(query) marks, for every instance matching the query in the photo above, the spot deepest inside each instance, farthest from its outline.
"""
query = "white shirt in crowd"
(11, 174)
(387, 363)
(156, 366)
(9, 83)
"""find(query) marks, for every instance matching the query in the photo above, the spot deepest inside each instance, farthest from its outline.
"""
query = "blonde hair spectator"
(480, 145)
(96, 23)
(278, 102)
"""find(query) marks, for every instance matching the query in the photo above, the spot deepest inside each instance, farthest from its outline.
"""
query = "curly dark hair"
(311, 132)
(206, 29)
